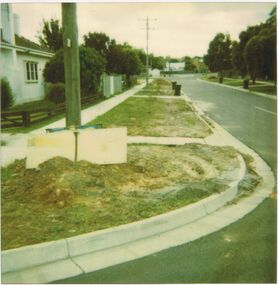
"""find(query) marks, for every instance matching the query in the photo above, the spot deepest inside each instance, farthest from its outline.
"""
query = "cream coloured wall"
(30, 91)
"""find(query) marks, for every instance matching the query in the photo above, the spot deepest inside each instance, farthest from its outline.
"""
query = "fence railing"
(10, 119)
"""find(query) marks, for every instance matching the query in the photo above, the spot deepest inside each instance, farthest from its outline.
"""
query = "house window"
(31, 71)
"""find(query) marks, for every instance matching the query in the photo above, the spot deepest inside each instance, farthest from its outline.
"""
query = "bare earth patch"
(155, 117)
(63, 198)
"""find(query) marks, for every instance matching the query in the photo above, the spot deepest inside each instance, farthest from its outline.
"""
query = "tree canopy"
(254, 54)
(51, 35)
(219, 54)
(92, 65)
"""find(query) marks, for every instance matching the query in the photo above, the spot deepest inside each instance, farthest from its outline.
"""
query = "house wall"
(10, 70)
(13, 67)
(31, 91)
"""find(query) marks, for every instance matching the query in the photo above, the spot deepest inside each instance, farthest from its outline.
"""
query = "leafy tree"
(122, 59)
(260, 48)
(51, 35)
(219, 57)
(238, 59)
(189, 64)
(158, 62)
(253, 57)
(92, 65)
(99, 41)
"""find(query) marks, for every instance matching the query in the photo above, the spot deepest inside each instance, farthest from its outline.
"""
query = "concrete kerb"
(42, 254)
(98, 259)
(240, 89)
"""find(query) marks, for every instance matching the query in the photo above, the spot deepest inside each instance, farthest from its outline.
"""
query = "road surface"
(244, 252)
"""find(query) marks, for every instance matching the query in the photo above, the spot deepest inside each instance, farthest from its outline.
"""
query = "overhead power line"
(147, 28)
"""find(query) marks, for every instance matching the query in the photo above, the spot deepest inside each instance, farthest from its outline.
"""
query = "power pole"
(71, 64)
(147, 46)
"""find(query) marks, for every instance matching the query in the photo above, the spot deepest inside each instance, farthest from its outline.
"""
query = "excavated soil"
(63, 198)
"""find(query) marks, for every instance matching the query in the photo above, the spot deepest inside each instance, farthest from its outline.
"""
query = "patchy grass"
(64, 198)
(256, 87)
(270, 90)
(158, 87)
(155, 117)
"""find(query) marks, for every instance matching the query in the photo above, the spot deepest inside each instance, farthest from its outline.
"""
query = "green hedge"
(7, 99)
(56, 92)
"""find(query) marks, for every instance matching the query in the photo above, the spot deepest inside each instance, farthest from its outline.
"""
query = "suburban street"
(251, 119)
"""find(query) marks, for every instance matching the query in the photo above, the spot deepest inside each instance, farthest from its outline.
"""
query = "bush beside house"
(55, 92)
(92, 65)
(6, 94)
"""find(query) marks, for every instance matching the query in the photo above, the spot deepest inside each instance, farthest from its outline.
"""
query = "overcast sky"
(180, 29)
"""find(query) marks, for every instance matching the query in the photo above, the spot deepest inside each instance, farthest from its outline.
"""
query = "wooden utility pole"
(147, 46)
(71, 64)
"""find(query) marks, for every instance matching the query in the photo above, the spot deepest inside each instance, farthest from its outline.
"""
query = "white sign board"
(99, 146)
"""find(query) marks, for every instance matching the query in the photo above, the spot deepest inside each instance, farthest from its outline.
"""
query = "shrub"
(56, 92)
(92, 65)
(7, 99)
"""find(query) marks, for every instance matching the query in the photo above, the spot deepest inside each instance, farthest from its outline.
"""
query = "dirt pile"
(61, 182)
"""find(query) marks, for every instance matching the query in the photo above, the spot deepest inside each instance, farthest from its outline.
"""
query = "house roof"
(23, 42)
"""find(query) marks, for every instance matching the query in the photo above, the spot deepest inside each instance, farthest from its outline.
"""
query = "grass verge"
(158, 87)
(64, 199)
(155, 117)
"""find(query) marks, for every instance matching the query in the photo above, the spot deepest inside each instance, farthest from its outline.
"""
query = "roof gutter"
(27, 50)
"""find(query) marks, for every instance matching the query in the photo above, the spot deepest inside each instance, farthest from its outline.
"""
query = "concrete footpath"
(56, 260)
(17, 143)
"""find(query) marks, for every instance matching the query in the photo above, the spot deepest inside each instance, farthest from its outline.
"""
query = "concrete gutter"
(56, 260)
(240, 89)
(18, 263)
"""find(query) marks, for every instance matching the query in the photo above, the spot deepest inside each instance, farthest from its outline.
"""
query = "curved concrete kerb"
(28, 256)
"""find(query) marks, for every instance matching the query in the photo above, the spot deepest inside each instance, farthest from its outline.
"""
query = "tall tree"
(92, 65)
(123, 59)
(99, 41)
(51, 35)
(189, 64)
(219, 54)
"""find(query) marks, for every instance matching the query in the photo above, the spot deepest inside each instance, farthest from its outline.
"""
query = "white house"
(155, 73)
(174, 66)
(22, 61)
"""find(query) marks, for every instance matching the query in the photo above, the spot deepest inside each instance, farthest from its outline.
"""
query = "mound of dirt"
(62, 182)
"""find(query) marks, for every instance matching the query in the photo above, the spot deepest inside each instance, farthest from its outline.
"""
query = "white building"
(22, 61)
(155, 73)
(174, 66)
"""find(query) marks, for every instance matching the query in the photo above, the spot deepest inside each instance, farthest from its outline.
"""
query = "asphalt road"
(251, 256)
(250, 118)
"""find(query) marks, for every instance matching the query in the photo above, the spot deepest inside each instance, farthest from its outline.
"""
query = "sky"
(179, 29)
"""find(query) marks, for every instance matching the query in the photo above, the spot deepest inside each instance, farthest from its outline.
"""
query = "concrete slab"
(103, 146)
(100, 146)
(46, 146)
(98, 260)
(43, 274)
(28, 256)
(9, 154)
